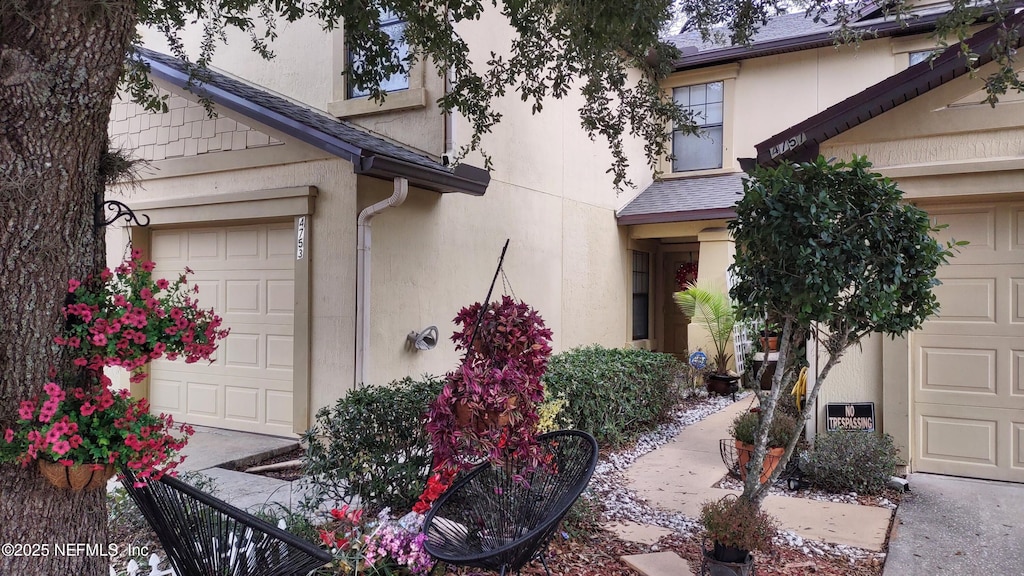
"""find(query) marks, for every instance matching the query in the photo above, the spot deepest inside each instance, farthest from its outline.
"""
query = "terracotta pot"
(771, 460)
(77, 476)
(769, 343)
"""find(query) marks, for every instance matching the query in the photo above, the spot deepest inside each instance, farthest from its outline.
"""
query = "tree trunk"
(59, 65)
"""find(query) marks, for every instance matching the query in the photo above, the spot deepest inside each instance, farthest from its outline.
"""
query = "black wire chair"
(494, 519)
(204, 536)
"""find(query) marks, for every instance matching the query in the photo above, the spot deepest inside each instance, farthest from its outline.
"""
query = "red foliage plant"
(496, 389)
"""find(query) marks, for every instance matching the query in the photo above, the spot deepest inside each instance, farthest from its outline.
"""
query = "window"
(701, 151)
(920, 56)
(394, 27)
(641, 295)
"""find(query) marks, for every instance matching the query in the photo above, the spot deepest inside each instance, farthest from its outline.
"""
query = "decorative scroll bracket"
(120, 210)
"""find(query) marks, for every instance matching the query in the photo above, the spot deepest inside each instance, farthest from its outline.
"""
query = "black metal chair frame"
(539, 517)
(205, 536)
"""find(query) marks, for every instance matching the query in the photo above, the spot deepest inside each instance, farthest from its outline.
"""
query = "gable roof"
(801, 142)
(794, 32)
(684, 199)
(369, 155)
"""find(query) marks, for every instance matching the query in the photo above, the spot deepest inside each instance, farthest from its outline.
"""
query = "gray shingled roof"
(685, 199)
(792, 32)
(781, 26)
(370, 154)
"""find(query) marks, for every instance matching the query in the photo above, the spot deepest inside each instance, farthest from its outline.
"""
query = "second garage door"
(968, 383)
(246, 273)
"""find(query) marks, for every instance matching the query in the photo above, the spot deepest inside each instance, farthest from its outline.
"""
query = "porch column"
(717, 251)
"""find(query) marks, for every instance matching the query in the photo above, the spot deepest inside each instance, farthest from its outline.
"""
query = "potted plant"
(712, 309)
(770, 337)
(487, 408)
(736, 527)
(79, 436)
(744, 430)
(127, 318)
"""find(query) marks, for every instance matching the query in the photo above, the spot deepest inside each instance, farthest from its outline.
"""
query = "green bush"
(372, 444)
(845, 461)
(614, 394)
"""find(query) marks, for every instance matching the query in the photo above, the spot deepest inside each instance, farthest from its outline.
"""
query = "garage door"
(969, 362)
(246, 274)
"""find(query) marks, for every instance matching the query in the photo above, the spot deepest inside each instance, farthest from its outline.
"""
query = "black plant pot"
(722, 384)
(729, 554)
(711, 566)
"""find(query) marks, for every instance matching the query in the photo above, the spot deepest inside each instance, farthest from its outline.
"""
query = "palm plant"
(709, 306)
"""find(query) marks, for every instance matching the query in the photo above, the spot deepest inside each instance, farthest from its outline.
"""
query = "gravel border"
(609, 487)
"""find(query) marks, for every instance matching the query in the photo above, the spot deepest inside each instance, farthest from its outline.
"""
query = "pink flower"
(9, 436)
(53, 390)
(162, 284)
(136, 253)
(99, 339)
(62, 447)
(147, 266)
(73, 285)
(87, 409)
(26, 410)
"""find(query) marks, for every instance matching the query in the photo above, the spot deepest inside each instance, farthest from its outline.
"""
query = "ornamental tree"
(828, 249)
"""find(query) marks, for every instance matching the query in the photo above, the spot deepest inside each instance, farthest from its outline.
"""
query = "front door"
(675, 321)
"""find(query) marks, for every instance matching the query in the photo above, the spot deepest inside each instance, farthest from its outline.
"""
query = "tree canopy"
(557, 46)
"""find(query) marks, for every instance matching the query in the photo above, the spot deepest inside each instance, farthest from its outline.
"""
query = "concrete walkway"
(958, 526)
(679, 476)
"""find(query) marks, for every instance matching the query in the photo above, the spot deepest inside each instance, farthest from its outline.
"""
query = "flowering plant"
(488, 406)
(436, 485)
(94, 424)
(127, 318)
(381, 546)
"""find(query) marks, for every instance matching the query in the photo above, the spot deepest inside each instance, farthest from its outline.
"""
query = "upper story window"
(394, 27)
(920, 56)
(701, 151)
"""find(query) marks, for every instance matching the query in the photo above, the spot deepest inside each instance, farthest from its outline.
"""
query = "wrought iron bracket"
(120, 210)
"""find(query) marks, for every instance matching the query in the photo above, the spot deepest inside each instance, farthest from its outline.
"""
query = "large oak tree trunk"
(59, 65)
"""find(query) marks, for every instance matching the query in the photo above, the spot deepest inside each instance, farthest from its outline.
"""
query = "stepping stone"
(636, 532)
(658, 564)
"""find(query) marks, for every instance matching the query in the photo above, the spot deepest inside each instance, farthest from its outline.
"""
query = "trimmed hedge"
(614, 394)
(372, 444)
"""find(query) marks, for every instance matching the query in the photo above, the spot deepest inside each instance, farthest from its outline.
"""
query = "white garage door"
(246, 274)
(969, 362)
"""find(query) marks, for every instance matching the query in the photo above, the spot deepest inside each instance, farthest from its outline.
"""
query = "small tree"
(828, 249)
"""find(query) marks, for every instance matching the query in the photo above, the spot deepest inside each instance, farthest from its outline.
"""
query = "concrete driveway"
(958, 526)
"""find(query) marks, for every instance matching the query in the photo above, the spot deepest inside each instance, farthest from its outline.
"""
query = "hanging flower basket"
(685, 275)
(76, 476)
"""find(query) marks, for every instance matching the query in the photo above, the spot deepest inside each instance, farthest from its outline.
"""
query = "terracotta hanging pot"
(491, 419)
(77, 476)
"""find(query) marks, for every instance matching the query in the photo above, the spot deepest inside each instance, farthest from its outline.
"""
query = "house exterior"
(952, 393)
(327, 228)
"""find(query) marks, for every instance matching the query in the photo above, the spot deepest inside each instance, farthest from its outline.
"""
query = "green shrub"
(614, 394)
(372, 444)
(744, 428)
(845, 461)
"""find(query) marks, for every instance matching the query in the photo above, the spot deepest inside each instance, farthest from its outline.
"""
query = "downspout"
(363, 260)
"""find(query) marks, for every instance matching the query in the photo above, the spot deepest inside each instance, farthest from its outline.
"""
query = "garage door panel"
(203, 246)
(968, 378)
(984, 443)
(246, 273)
(979, 300)
(967, 300)
(958, 370)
